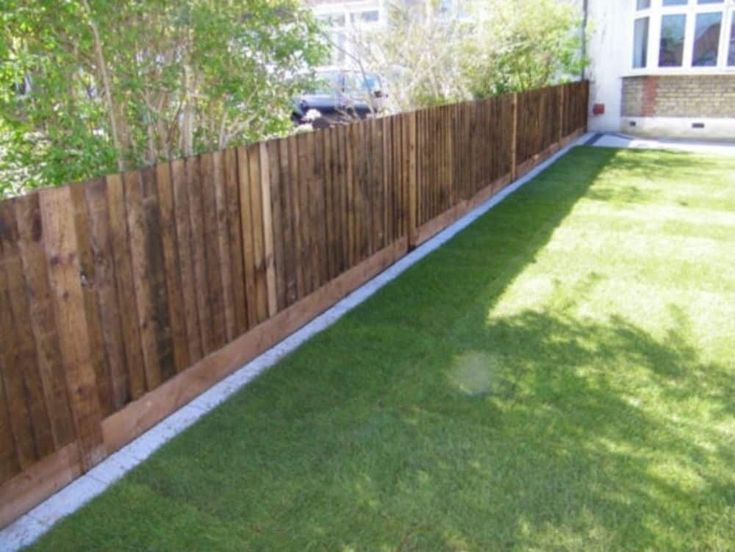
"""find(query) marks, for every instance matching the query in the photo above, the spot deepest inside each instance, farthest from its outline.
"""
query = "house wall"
(610, 30)
(662, 101)
(711, 96)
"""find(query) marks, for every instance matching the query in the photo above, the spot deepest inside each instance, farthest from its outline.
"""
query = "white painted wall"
(610, 49)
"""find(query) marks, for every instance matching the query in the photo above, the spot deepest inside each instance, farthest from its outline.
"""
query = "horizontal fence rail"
(124, 297)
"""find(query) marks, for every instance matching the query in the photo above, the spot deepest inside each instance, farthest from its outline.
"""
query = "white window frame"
(655, 15)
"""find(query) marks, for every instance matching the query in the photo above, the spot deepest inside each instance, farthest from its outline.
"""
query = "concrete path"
(616, 140)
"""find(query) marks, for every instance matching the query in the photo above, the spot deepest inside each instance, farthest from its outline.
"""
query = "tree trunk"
(111, 108)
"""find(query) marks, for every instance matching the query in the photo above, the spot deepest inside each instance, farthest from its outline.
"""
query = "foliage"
(522, 44)
(417, 52)
(92, 86)
(432, 56)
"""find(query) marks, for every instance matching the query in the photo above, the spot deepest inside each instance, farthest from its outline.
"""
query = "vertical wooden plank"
(387, 180)
(313, 199)
(64, 277)
(362, 189)
(213, 270)
(341, 183)
(452, 192)
(248, 248)
(199, 251)
(185, 252)
(157, 274)
(223, 244)
(317, 204)
(412, 192)
(141, 274)
(439, 157)
(294, 192)
(91, 308)
(376, 184)
(256, 211)
(285, 147)
(333, 238)
(8, 456)
(368, 187)
(329, 209)
(17, 351)
(562, 91)
(350, 195)
(266, 209)
(43, 323)
(23, 452)
(125, 286)
(514, 140)
(278, 221)
(353, 191)
(402, 172)
(104, 284)
(235, 240)
(305, 259)
(172, 267)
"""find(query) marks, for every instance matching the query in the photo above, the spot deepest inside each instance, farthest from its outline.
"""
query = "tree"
(432, 56)
(89, 87)
(417, 52)
(522, 44)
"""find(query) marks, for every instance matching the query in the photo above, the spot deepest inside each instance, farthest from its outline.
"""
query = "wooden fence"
(123, 298)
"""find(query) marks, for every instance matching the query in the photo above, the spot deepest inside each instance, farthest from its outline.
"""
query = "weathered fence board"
(124, 297)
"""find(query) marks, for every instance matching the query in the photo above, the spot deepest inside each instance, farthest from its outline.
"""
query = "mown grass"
(560, 376)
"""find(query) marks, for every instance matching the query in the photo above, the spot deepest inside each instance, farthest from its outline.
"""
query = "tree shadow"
(631, 465)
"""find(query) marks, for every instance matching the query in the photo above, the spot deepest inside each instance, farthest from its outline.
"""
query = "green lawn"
(560, 376)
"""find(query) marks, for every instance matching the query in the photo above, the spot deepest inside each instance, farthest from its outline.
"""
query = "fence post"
(412, 191)
(514, 141)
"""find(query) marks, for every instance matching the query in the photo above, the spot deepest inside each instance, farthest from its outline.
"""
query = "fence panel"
(124, 297)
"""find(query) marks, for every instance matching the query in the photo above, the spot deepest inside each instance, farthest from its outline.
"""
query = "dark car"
(338, 97)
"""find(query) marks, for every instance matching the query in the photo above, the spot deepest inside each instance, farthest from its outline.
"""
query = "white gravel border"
(40, 519)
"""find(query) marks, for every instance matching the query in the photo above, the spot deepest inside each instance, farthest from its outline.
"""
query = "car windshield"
(327, 82)
(359, 83)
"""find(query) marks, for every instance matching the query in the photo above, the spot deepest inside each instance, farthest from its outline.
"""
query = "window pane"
(640, 43)
(643, 4)
(671, 50)
(332, 20)
(365, 17)
(731, 54)
(710, 1)
(675, 2)
(706, 39)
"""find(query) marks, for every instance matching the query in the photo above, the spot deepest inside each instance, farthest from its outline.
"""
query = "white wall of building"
(610, 49)
(610, 27)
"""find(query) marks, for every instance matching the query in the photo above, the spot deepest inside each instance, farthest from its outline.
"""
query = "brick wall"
(679, 96)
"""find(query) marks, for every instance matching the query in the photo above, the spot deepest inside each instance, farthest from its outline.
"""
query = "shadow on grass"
(419, 422)
(594, 420)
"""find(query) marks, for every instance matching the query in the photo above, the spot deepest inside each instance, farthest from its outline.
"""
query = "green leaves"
(431, 57)
(88, 87)
(522, 44)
